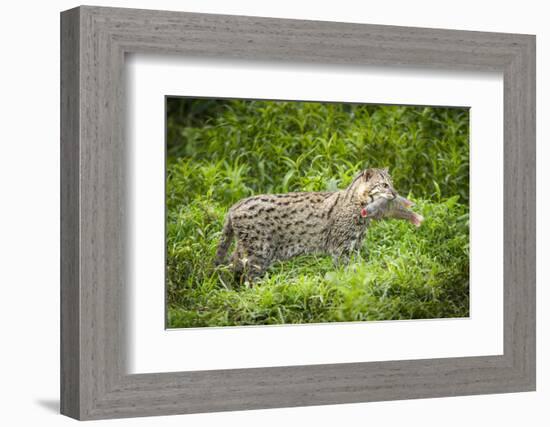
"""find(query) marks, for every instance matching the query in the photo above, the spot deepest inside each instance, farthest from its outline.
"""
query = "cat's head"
(372, 184)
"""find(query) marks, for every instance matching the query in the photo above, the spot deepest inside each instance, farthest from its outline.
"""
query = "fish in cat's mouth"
(398, 206)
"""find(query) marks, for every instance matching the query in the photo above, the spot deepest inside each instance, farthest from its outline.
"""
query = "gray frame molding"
(94, 41)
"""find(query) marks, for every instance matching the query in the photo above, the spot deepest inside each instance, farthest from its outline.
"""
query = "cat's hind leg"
(247, 265)
(255, 268)
(238, 259)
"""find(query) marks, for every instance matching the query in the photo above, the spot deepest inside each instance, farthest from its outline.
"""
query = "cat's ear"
(357, 177)
(368, 174)
(386, 170)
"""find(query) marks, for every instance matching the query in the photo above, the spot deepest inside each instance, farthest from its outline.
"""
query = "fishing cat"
(271, 227)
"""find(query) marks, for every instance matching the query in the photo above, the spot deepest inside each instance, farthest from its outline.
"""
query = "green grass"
(222, 151)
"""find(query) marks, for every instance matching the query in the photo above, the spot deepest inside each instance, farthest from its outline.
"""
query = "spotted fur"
(272, 227)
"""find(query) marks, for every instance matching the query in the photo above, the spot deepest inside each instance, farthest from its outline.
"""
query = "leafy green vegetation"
(220, 151)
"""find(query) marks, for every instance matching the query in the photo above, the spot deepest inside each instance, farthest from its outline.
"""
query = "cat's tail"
(225, 241)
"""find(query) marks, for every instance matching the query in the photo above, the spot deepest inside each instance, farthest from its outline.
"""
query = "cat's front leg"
(358, 247)
(341, 257)
(363, 253)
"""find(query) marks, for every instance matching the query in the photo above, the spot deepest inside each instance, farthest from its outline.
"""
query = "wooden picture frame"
(94, 382)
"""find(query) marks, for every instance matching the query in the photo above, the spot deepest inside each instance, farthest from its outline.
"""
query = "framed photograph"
(262, 213)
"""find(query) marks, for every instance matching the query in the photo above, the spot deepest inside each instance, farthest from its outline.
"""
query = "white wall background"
(29, 224)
